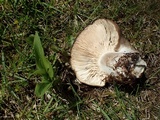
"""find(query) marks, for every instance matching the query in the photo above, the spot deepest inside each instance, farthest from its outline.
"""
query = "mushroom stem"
(113, 64)
(139, 68)
(107, 62)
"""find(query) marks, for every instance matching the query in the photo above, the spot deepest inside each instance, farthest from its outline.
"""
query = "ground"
(58, 24)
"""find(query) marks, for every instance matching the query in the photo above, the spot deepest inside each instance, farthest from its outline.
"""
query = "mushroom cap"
(98, 54)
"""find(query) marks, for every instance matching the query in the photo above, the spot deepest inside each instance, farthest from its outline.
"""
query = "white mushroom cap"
(101, 55)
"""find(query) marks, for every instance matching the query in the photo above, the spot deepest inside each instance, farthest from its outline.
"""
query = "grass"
(58, 23)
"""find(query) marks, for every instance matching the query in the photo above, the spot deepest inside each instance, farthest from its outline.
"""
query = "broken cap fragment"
(100, 54)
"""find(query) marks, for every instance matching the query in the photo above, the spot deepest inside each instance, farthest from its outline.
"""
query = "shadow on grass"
(134, 88)
(74, 93)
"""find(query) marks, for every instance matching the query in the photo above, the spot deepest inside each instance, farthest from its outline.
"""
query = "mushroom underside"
(123, 68)
(100, 54)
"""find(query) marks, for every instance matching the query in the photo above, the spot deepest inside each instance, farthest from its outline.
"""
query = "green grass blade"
(42, 87)
(41, 62)
(38, 49)
(103, 112)
(48, 68)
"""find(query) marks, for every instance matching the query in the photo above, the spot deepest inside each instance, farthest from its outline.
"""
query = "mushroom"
(101, 54)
